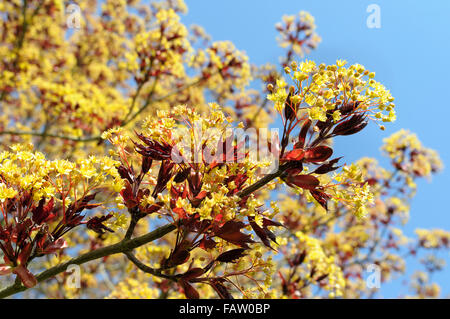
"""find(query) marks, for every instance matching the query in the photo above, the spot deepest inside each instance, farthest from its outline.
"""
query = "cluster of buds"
(409, 156)
(223, 67)
(159, 51)
(298, 34)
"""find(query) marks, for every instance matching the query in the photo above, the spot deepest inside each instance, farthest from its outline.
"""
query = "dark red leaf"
(230, 232)
(128, 196)
(221, 290)
(180, 212)
(302, 135)
(320, 278)
(304, 181)
(327, 167)
(207, 243)
(231, 256)
(351, 126)
(189, 290)
(318, 154)
(59, 244)
(267, 222)
(180, 257)
(262, 232)
(146, 164)
(182, 175)
(321, 197)
(294, 155)
(192, 273)
(290, 109)
(96, 224)
(125, 173)
(299, 258)
(41, 213)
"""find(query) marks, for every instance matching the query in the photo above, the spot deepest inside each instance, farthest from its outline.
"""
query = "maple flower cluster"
(334, 91)
(298, 34)
(42, 200)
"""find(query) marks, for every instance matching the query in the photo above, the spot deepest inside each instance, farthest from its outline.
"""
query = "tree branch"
(145, 268)
(263, 181)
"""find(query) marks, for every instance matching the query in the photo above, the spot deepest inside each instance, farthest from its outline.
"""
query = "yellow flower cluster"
(162, 47)
(355, 193)
(433, 238)
(322, 264)
(21, 170)
(226, 67)
(291, 25)
(405, 149)
(323, 89)
(131, 288)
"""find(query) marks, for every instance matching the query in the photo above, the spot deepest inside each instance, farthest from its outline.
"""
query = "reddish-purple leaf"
(299, 258)
(207, 243)
(231, 256)
(263, 232)
(320, 278)
(267, 222)
(351, 126)
(192, 273)
(321, 197)
(294, 155)
(182, 175)
(179, 256)
(327, 167)
(318, 154)
(41, 213)
(128, 196)
(221, 290)
(230, 231)
(189, 290)
(27, 278)
(302, 135)
(59, 244)
(96, 224)
(146, 164)
(304, 181)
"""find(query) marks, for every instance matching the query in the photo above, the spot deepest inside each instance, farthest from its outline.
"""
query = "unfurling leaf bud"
(146, 164)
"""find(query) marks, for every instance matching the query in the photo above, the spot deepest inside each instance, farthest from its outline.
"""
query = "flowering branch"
(121, 247)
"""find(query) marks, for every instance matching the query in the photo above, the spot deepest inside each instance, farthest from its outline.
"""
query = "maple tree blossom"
(114, 158)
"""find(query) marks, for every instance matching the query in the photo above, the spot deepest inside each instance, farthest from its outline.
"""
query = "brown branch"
(145, 268)
(263, 181)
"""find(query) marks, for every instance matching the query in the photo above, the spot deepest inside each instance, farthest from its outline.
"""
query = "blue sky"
(409, 53)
